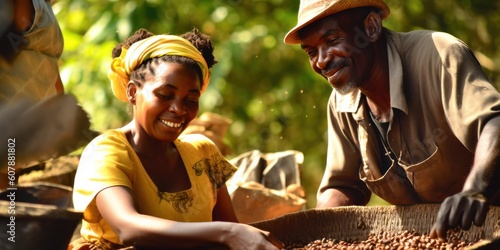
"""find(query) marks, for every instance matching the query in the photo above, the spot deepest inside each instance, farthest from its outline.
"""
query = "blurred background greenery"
(265, 87)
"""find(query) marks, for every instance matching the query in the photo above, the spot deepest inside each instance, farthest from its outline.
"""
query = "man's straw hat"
(313, 10)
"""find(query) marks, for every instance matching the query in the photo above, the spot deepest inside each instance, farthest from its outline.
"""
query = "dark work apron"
(387, 180)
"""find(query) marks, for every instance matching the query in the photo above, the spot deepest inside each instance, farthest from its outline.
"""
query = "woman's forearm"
(149, 231)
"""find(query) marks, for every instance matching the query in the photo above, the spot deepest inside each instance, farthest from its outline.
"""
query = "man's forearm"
(485, 172)
(334, 197)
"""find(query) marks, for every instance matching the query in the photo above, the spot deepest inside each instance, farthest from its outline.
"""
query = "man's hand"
(461, 210)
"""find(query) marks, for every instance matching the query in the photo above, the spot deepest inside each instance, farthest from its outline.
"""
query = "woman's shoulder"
(197, 144)
(195, 139)
(109, 150)
(112, 138)
(111, 134)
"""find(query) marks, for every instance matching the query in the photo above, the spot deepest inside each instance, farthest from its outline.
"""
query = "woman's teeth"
(171, 124)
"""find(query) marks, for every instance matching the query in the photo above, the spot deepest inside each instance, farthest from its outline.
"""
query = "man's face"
(339, 50)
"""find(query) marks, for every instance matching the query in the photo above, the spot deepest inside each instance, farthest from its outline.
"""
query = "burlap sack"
(213, 126)
(266, 185)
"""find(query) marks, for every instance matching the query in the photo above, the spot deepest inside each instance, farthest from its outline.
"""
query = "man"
(411, 118)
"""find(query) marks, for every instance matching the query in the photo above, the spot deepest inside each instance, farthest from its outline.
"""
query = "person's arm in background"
(24, 15)
(59, 85)
(17, 17)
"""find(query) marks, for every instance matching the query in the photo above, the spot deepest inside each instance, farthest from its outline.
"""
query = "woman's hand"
(243, 236)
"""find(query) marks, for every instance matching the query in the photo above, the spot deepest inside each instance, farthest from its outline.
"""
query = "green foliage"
(267, 88)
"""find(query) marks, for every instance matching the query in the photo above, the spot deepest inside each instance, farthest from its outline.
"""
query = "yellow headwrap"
(154, 46)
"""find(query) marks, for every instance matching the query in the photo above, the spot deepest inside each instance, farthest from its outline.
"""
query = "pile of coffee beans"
(406, 240)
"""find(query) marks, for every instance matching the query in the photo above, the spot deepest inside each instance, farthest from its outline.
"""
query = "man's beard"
(347, 88)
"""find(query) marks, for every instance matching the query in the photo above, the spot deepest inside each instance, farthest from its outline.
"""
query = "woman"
(142, 185)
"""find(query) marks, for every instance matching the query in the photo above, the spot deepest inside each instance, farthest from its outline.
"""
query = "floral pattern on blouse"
(217, 169)
(180, 201)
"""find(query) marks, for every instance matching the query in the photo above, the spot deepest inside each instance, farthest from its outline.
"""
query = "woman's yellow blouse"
(109, 160)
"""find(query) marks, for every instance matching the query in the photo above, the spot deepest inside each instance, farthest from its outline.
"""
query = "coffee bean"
(406, 240)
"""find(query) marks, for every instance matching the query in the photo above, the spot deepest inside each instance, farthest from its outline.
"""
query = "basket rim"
(35, 210)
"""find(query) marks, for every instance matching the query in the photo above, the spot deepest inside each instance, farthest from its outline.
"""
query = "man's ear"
(373, 26)
(131, 91)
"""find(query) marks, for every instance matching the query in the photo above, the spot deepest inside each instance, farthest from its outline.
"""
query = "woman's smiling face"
(167, 101)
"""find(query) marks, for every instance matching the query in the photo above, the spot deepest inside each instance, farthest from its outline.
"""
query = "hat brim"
(292, 37)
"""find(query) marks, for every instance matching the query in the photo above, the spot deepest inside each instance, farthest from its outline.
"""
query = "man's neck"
(377, 89)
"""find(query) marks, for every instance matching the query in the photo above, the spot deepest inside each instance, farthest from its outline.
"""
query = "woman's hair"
(201, 41)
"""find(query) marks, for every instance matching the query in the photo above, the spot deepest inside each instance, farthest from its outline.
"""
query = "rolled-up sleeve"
(343, 157)
(469, 99)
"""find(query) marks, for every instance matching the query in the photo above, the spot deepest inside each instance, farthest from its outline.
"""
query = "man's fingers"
(476, 212)
(433, 233)
(439, 232)
(481, 214)
(455, 213)
(465, 216)
(441, 225)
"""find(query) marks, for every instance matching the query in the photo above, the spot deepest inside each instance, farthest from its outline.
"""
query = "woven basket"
(355, 222)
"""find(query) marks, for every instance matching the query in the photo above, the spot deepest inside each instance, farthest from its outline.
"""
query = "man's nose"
(323, 58)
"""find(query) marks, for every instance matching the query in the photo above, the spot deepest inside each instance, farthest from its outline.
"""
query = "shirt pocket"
(433, 178)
